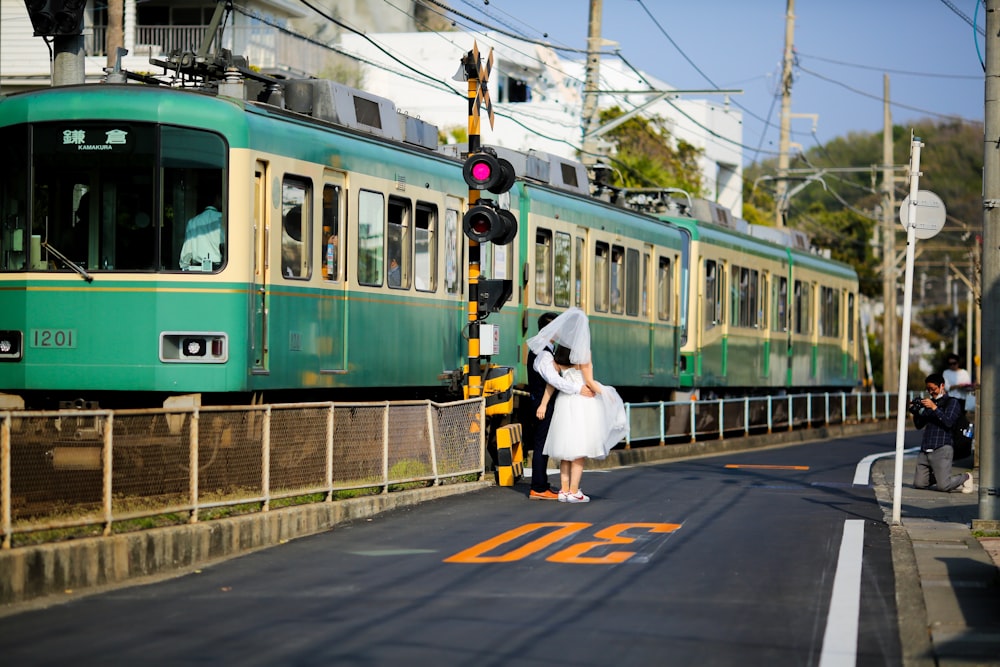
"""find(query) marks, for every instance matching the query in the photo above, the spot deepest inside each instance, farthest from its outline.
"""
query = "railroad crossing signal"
(485, 220)
(56, 18)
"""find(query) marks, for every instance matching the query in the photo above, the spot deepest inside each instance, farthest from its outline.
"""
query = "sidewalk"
(947, 580)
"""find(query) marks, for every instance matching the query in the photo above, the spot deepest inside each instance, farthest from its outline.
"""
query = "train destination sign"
(930, 214)
(112, 139)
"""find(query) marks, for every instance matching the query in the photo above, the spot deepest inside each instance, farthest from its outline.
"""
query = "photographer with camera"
(937, 414)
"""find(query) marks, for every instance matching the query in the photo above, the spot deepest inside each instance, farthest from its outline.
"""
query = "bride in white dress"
(581, 427)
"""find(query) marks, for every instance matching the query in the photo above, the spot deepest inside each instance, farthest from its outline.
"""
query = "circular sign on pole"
(929, 214)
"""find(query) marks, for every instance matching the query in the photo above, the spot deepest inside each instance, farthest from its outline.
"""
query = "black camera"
(916, 407)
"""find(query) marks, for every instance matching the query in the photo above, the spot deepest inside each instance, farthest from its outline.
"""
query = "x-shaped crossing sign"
(482, 90)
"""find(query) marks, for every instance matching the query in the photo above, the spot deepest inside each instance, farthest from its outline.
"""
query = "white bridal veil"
(570, 329)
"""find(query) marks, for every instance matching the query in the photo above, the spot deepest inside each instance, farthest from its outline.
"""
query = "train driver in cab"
(202, 249)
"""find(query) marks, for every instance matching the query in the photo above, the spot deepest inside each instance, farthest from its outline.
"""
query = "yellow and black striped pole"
(474, 380)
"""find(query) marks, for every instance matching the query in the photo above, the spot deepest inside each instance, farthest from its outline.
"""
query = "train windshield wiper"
(68, 262)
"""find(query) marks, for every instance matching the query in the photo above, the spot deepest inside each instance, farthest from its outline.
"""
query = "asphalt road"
(771, 557)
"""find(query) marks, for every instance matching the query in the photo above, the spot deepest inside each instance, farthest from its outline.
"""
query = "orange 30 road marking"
(571, 554)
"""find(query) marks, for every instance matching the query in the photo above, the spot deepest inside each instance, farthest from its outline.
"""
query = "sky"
(932, 55)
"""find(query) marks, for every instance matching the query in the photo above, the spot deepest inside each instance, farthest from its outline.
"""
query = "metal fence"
(99, 471)
(104, 469)
(687, 421)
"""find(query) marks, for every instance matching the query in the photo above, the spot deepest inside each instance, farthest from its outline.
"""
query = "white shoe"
(577, 497)
(563, 495)
(968, 486)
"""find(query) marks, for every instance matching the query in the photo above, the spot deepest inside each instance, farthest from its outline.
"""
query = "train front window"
(108, 196)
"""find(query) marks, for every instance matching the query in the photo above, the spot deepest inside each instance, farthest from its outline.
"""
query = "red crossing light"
(485, 171)
(487, 222)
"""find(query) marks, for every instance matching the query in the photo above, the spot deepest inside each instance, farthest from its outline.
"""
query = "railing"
(264, 46)
(99, 471)
(84, 469)
(687, 421)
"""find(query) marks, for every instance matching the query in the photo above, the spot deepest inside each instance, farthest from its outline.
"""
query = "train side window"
(331, 246)
(802, 308)
(194, 178)
(543, 266)
(850, 318)
(400, 266)
(425, 248)
(15, 235)
(644, 306)
(711, 294)
(617, 279)
(763, 306)
(744, 311)
(780, 320)
(497, 261)
(453, 253)
(631, 282)
(371, 237)
(829, 312)
(563, 267)
(581, 255)
(664, 289)
(737, 298)
(296, 227)
(602, 257)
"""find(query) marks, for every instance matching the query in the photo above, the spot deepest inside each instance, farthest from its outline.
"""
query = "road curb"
(52, 573)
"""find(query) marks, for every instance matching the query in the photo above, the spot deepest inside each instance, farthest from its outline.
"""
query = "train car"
(235, 243)
(766, 316)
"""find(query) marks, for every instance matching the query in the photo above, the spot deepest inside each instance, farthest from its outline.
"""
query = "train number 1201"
(59, 338)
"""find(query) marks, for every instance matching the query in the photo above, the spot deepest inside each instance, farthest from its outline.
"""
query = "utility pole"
(989, 433)
(890, 326)
(781, 191)
(115, 38)
(591, 84)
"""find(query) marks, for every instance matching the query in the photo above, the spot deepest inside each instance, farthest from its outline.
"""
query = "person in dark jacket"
(542, 372)
(936, 415)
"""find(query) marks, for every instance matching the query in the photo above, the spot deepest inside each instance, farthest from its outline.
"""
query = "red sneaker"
(548, 494)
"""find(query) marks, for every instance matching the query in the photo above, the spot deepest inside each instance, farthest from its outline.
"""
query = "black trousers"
(539, 461)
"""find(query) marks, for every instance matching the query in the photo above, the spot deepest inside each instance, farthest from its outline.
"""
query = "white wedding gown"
(585, 427)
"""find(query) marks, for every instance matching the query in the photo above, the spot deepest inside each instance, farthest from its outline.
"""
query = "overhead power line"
(892, 71)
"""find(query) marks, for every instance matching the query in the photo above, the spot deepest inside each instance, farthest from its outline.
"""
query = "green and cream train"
(241, 244)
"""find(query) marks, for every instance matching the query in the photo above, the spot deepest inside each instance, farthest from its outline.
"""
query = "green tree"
(648, 155)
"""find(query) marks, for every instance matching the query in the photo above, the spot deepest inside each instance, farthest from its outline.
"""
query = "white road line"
(840, 641)
(862, 473)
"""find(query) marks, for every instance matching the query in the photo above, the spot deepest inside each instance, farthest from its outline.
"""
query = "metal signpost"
(922, 214)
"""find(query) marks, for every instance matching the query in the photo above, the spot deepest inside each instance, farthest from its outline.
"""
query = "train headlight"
(194, 347)
(11, 345)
